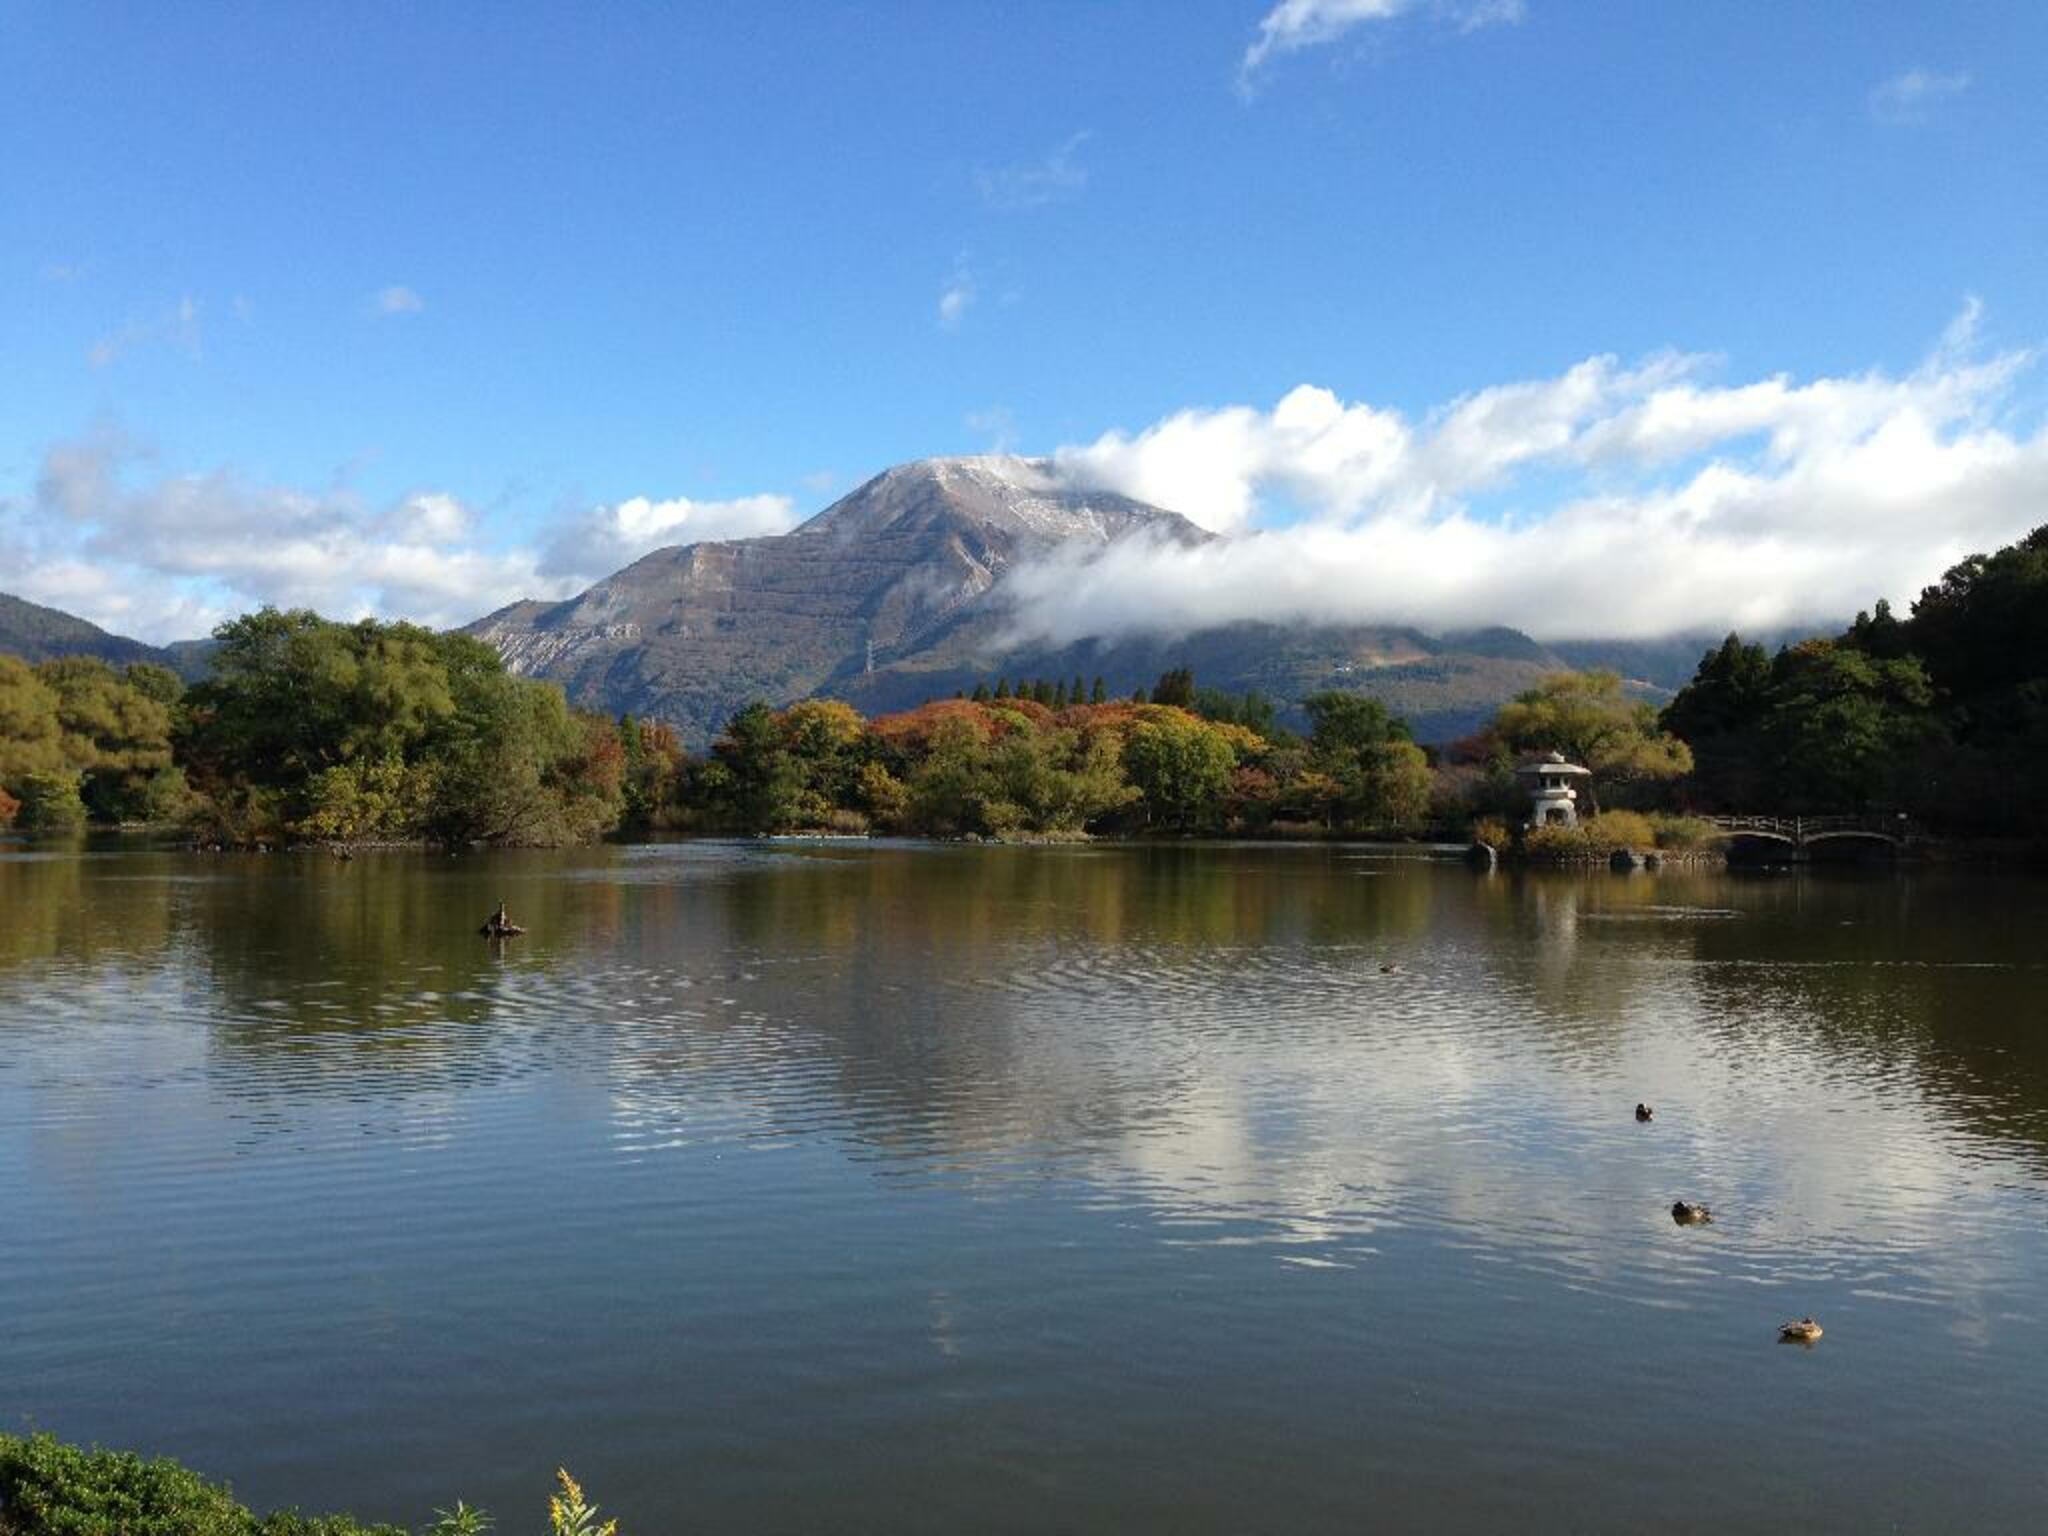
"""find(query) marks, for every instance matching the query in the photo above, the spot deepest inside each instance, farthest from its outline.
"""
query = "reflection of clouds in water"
(1209, 1037)
(1471, 1107)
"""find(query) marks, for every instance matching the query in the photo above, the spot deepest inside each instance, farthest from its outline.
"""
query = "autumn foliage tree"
(1589, 718)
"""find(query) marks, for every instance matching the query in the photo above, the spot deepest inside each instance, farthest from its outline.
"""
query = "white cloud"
(608, 537)
(176, 328)
(957, 296)
(1605, 501)
(1295, 25)
(1331, 459)
(396, 300)
(1014, 188)
(166, 557)
(1911, 96)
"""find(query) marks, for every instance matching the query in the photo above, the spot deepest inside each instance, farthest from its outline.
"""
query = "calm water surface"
(777, 1188)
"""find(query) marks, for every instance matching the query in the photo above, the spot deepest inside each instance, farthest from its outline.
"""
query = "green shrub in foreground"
(48, 1488)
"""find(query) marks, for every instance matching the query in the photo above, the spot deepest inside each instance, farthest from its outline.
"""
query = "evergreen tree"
(1059, 696)
(981, 694)
(1101, 693)
(1176, 686)
(1002, 689)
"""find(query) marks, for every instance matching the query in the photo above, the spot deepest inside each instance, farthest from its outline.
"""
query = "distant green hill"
(35, 633)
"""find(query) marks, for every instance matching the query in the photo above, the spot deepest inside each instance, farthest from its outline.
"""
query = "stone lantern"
(1553, 799)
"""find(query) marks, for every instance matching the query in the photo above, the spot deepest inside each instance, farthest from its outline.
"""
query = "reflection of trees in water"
(51, 911)
(962, 997)
(1933, 979)
(371, 977)
(1926, 978)
(366, 977)
(995, 898)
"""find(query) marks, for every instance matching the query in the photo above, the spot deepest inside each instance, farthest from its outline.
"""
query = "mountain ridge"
(36, 633)
(891, 596)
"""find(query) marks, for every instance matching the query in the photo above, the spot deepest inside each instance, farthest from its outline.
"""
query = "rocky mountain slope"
(890, 577)
(890, 597)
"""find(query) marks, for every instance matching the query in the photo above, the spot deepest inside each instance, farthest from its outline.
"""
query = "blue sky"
(302, 261)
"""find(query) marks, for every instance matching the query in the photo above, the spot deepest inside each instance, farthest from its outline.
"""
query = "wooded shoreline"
(308, 731)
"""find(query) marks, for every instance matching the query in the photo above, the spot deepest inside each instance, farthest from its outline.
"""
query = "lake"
(848, 1187)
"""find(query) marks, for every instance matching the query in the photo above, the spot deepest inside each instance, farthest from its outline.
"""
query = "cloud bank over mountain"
(1608, 500)
(169, 556)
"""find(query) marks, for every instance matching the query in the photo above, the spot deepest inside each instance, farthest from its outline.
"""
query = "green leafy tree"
(50, 802)
(1982, 631)
(31, 732)
(824, 739)
(948, 791)
(1251, 709)
(1054, 781)
(1182, 768)
(1383, 779)
(117, 735)
(1721, 716)
(1880, 634)
(884, 799)
(1846, 730)
(1587, 717)
(766, 784)
(311, 728)
(515, 766)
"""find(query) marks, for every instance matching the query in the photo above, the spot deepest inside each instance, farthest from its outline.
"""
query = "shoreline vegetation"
(50, 1488)
(311, 732)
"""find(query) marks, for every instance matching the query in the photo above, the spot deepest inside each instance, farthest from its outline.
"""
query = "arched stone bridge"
(1802, 832)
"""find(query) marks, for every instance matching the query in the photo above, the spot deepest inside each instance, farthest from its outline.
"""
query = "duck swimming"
(499, 926)
(1805, 1331)
(1644, 1112)
(1689, 1214)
